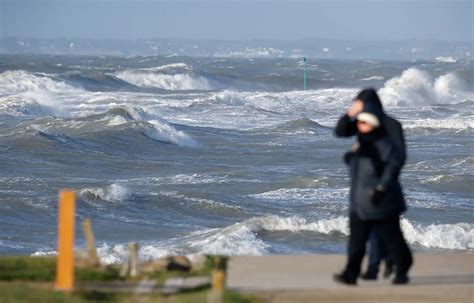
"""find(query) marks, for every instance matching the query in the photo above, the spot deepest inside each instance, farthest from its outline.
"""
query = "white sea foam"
(30, 104)
(447, 59)
(170, 67)
(373, 78)
(151, 125)
(202, 203)
(322, 198)
(19, 81)
(191, 179)
(250, 110)
(117, 120)
(161, 131)
(260, 52)
(447, 236)
(416, 87)
(179, 81)
(112, 193)
(27, 94)
(242, 238)
(454, 122)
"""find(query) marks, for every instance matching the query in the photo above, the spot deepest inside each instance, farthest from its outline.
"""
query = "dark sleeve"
(345, 127)
(395, 133)
(392, 158)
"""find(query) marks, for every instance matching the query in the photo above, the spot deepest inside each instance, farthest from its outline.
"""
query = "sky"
(238, 20)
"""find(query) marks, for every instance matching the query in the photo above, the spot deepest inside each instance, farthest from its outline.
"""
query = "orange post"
(65, 258)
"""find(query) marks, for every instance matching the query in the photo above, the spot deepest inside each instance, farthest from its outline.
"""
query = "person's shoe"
(388, 270)
(401, 279)
(344, 279)
(369, 275)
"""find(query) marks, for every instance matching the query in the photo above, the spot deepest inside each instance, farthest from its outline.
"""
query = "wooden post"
(65, 258)
(130, 267)
(92, 257)
(125, 268)
(133, 250)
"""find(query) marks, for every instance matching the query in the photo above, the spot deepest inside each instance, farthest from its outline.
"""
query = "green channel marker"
(305, 73)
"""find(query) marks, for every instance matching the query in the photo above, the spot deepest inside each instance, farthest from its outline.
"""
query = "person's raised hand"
(356, 107)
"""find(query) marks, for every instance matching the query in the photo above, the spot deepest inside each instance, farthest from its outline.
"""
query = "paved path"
(308, 278)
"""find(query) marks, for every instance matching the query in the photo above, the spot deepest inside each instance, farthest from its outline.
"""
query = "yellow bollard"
(65, 258)
(216, 294)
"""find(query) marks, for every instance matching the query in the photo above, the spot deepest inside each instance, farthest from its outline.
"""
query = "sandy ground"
(308, 278)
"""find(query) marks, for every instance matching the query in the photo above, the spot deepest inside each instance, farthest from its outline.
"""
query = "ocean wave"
(415, 87)
(117, 253)
(170, 77)
(30, 104)
(173, 67)
(111, 193)
(322, 197)
(302, 123)
(243, 238)
(249, 110)
(181, 179)
(161, 131)
(455, 122)
(117, 120)
(448, 59)
(373, 78)
(200, 202)
(447, 236)
(19, 81)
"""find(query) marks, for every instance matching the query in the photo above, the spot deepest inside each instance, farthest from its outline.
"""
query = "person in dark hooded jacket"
(346, 127)
(376, 198)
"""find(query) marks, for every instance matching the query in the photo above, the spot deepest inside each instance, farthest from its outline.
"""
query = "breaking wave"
(452, 123)
(19, 81)
(302, 123)
(29, 104)
(151, 125)
(119, 119)
(373, 78)
(177, 76)
(447, 236)
(111, 193)
(243, 238)
(417, 87)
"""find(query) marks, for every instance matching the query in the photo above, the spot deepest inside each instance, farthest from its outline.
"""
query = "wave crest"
(177, 76)
(19, 81)
(417, 87)
(111, 193)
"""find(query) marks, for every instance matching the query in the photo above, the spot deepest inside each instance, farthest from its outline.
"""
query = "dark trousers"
(391, 234)
(377, 252)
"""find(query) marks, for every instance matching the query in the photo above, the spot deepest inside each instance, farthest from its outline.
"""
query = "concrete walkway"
(308, 278)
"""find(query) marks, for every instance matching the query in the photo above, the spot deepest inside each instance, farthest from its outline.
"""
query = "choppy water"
(227, 156)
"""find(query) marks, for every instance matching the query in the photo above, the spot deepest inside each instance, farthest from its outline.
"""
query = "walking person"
(347, 127)
(376, 198)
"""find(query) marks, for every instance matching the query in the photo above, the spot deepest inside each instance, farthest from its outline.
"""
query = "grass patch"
(19, 293)
(16, 293)
(27, 268)
(30, 279)
(43, 269)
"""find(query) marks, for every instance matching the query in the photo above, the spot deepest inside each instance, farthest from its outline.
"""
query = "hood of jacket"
(372, 103)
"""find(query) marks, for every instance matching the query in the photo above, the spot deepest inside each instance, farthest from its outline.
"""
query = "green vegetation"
(30, 279)
(44, 269)
(20, 293)
(27, 268)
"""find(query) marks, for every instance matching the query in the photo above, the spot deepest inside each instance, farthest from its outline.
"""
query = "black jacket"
(377, 161)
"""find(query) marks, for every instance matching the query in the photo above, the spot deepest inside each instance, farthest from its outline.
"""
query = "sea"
(231, 156)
